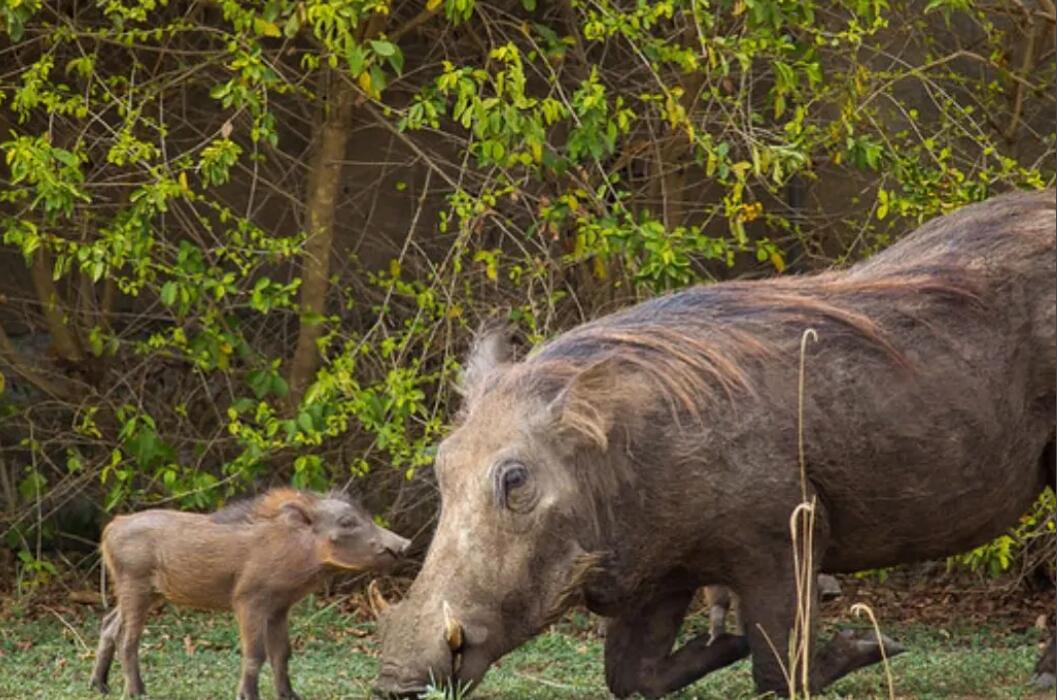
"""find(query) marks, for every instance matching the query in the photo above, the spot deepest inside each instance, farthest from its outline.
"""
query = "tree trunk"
(324, 183)
(64, 339)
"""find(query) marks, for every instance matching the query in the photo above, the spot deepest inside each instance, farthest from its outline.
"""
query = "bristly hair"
(684, 348)
(262, 507)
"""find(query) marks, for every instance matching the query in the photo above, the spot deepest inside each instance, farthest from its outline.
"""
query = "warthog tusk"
(452, 628)
(376, 600)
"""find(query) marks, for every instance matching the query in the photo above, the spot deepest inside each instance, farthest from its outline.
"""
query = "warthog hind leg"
(769, 607)
(639, 656)
(850, 650)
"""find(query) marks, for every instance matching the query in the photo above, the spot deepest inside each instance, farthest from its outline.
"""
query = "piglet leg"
(251, 632)
(277, 638)
(134, 603)
(109, 634)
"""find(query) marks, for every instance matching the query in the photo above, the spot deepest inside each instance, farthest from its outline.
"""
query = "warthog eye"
(510, 477)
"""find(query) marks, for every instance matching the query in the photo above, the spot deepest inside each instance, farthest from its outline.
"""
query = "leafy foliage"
(546, 161)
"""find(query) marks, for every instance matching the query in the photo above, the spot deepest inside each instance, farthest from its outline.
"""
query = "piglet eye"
(347, 522)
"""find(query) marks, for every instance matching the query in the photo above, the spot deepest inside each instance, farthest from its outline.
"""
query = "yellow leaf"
(740, 168)
(776, 260)
(364, 81)
(432, 5)
(265, 28)
(394, 268)
(182, 179)
(600, 268)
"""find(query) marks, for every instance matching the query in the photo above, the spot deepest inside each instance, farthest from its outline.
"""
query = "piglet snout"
(392, 544)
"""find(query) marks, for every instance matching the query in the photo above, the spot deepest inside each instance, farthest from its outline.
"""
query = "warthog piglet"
(257, 557)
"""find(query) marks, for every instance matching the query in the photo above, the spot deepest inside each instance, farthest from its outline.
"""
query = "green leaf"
(397, 60)
(383, 48)
(260, 381)
(168, 293)
(356, 57)
(244, 404)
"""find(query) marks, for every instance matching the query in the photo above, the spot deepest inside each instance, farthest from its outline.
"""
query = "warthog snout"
(448, 654)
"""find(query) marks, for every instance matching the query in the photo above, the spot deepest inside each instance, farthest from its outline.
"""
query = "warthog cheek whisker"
(584, 567)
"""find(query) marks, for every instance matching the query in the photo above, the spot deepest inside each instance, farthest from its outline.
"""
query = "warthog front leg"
(639, 656)
(850, 650)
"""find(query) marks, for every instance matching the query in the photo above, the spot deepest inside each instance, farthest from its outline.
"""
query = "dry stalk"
(858, 609)
(802, 520)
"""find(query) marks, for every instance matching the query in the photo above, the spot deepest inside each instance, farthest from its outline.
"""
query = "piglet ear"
(295, 513)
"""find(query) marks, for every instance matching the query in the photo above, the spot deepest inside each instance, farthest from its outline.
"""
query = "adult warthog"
(637, 457)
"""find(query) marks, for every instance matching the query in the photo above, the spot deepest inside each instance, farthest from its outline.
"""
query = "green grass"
(49, 656)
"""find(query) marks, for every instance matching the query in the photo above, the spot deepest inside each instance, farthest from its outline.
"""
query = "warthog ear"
(586, 404)
(492, 348)
(295, 513)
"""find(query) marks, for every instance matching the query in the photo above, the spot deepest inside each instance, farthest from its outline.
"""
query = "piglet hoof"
(1043, 681)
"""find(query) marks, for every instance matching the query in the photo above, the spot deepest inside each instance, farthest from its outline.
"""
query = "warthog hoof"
(850, 650)
(866, 644)
(1043, 681)
(289, 695)
(100, 686)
